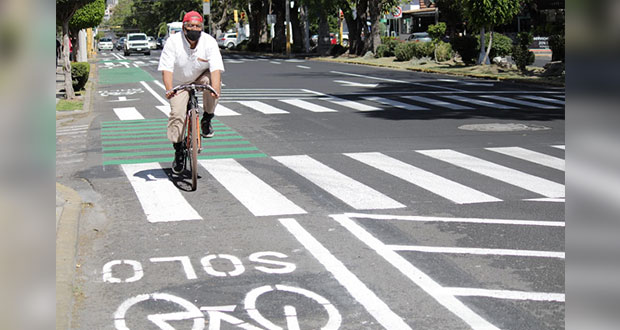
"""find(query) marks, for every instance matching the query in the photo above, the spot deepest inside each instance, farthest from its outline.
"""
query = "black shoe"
(206, 130)
(178, 165)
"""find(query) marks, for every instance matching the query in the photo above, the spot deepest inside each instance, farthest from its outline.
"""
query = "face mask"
(192, 35)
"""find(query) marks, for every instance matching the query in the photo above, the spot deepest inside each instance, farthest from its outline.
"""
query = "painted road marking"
(436, 184)
(516, 178)
(458, 220)
(393, 103)
(418, 277)
(394, 80)
(532, 156)
(563, 147)
(520, 102)
(356, 288)
(478, 251)
(257, 196)
(156, 95)
(351, 104)
(129, 113)
(223, 111)
(165, 109)
(478, 102)
(346, 83)
(303, 67)
(160, 199)
(307, 105)
(352, 192)
(506, 294)
(544, 99)
(262, 107)
(436, 102)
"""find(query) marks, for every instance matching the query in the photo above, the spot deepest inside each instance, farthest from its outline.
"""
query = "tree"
(436, 32)
(86, 17)
(65, 9)
(376, 9)
(487, 14)
(451, 12)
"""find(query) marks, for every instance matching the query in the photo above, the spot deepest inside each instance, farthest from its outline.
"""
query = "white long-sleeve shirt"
(178, 58)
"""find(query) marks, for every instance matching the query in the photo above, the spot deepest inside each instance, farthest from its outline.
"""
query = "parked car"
(105, 43)
(120, 43)
(152, 42)
(419, 37)
(227, 40)
(333, 39)
(136, 43)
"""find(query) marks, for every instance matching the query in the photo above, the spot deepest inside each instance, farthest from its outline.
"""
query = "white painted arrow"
(354, 84)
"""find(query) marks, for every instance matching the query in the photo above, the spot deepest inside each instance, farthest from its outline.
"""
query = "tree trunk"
(255, 18)
(481, 55)
(306, 28)
(217, 25)
(374, 7)
(486, 55)
(296, 28)
(280, 38)
(69, 93)
(324, 39)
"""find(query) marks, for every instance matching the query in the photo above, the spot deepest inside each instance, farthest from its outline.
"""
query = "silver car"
(419, 37)
(227, 40)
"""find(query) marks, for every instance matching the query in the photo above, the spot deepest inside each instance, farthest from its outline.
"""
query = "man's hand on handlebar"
(170, 93)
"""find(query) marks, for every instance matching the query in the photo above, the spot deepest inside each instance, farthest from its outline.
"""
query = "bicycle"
(191, 128)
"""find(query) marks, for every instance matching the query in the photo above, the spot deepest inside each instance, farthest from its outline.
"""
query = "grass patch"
(69, 105)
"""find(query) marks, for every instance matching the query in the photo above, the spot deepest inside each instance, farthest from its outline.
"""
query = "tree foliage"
(88, 16)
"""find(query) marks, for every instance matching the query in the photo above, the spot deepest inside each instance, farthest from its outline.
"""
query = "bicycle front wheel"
(194, 145)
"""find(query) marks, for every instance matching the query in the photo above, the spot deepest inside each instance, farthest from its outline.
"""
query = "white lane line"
(355, 84)
(393, 103)
(139, 62)
(160, 199)
(294, 60)
(262, 107)
(158, 83)
(479, 102)
(351, 104)
(122, 57)
(353, 193)
(164, 108)
(522, 180)
(308, 106)
(274, 62)
(563, 147)
(256, 195)
(436, 102)
(395, 81)
(122, 98)
(303, 67)
(154, 62)
(156, 95)
(520, 102)
(356, 288)
(72, 128)
(418, 277)
(532, 156)
(544, 99)
(506, 294)
(436, 184)
(550, 200)
(478, 251)
(135, 65)
(457, 220)
(129, 113)
(223, 111)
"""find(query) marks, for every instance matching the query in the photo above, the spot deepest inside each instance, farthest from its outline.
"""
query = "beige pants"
(178, 108)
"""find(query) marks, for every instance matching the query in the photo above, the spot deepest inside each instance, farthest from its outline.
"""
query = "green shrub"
(423, 49)
(79, 75)
(502, 45)
(520, 53)
(437, 31)
(383, 51)
(466, 47)
(444, 52)
(556, 43)
(385, 39)
(405, 51)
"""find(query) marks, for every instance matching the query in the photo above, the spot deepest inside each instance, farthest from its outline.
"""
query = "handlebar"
(195, 87)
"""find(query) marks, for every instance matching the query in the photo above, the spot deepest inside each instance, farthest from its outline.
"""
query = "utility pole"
(288, 28)
(206, 11)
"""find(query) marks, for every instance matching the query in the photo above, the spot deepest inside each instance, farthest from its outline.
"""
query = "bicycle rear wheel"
(193, 147)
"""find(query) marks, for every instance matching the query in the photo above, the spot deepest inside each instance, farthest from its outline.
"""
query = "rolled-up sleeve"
(215, 57)
(166, 60)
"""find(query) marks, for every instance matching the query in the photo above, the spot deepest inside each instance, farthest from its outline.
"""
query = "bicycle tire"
(193, 147)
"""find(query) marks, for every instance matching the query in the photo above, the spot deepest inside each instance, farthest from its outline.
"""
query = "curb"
(90, 87)
(66, 250)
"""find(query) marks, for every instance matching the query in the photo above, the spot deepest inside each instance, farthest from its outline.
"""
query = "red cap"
(192, 15)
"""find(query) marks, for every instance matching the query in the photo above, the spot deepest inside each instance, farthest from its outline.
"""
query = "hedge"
(387, 47)
(444, 52)
(466, 47)
(556, 43)
(79, 75)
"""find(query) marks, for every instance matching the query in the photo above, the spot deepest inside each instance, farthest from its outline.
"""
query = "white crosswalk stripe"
(257, 196)
(307, 105)
(351, 104)
(520, 102)
(478, 102)
(544, 99)
(441, 186)
(160, 199)
(129, 113)
(532, 156)
(348, 190)
(393, 103)
(436, 102)
(262, 107)
(516, 178)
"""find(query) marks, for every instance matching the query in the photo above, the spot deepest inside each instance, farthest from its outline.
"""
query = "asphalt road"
(332, 196)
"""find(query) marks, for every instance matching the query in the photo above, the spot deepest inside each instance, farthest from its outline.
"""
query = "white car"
(105, 43)
(136, 43)
(227, 40)
(152, 42)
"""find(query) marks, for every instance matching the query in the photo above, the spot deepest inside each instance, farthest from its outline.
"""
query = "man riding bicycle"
(191, 56)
